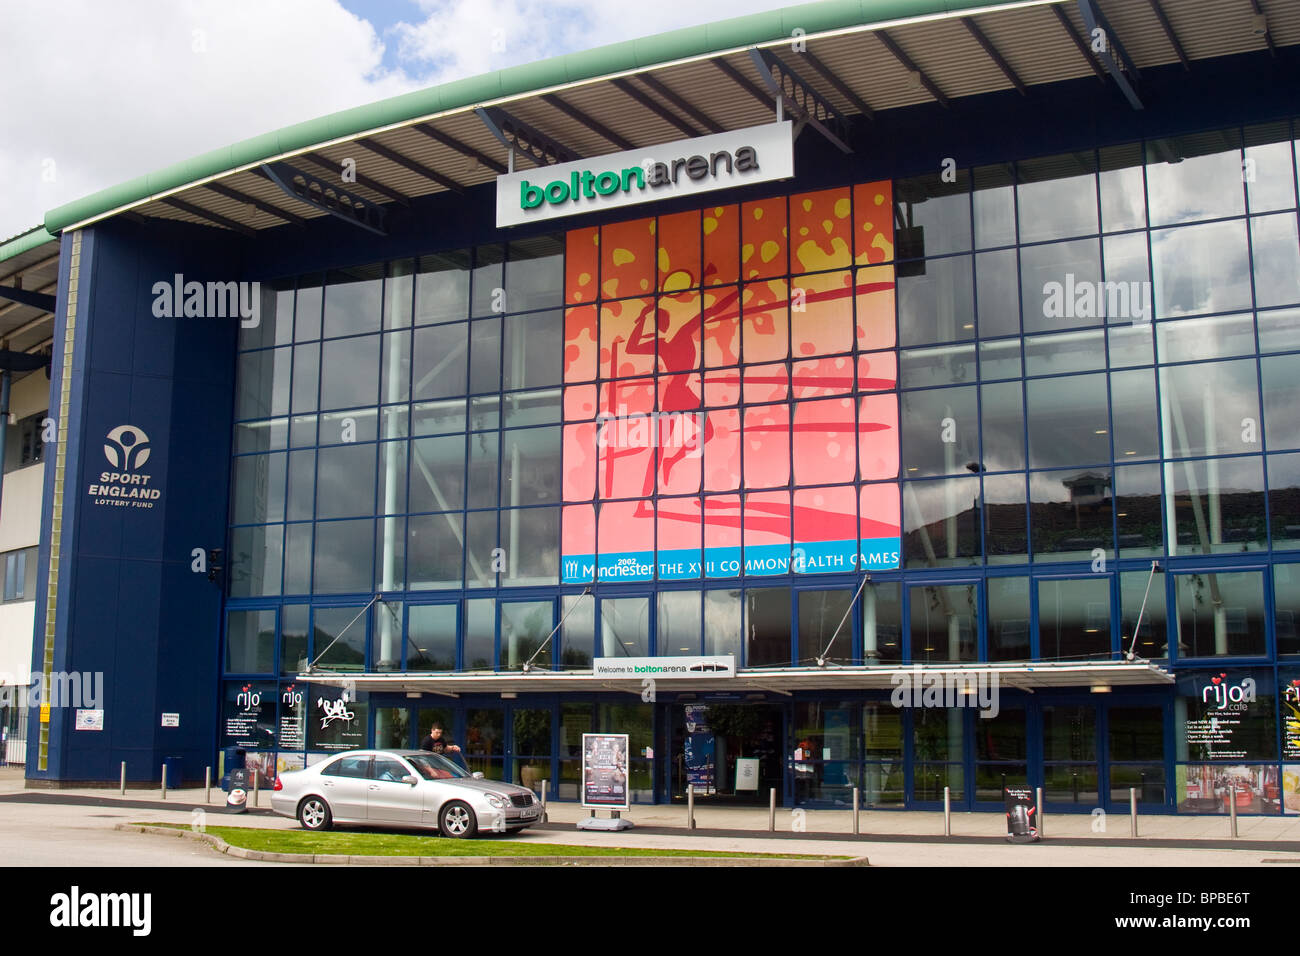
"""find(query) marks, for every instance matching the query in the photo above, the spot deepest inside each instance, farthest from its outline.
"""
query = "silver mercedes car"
(402, 788)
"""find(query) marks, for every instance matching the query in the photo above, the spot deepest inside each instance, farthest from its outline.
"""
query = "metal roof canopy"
(1026, 677)
(853, 59)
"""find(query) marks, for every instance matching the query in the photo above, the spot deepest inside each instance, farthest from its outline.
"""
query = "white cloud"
(99, 93)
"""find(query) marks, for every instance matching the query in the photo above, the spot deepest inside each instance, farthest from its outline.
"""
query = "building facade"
(971, 445)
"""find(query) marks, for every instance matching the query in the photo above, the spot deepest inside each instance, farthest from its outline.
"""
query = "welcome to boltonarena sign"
(721, 161)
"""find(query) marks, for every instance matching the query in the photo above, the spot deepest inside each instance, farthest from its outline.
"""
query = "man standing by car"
(435, 742)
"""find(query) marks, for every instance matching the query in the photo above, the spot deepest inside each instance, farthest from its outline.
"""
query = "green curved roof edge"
(24, 241)
(650, 51)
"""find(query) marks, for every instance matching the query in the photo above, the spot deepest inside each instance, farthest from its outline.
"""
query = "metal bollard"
(544, 783)
(1038, 803)
(857, 829)
(256, 776)
(123, 778)
(1132, 811)
(947, 811)
(1232, 810)
(207, 785)
(690, 806)
(771, 810)
(164, 781)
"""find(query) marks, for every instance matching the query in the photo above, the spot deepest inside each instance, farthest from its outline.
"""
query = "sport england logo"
(126, 449)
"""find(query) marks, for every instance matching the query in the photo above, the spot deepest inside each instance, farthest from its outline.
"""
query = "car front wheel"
(457, 821)
(314, 814)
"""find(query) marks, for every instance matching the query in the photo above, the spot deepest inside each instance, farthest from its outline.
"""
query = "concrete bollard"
(1038, 802)
(164, 781)
(947, 811)
(690, 806)
(257, 774)
(1232, 811)
(857, 807)
(1132, 811)
(123, 788)
(771, 810)
(207, 785)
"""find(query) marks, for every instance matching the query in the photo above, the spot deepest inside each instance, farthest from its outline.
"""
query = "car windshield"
(436, 767)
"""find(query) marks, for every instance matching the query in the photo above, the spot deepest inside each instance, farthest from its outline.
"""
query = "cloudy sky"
(98, 93)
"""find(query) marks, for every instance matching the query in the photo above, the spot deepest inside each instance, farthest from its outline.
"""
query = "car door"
(388, 799)
(344, 784)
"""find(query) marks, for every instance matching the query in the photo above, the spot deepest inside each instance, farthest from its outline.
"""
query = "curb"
(221, 846)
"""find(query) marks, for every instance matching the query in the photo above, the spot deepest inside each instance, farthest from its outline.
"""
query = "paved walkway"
(32, 819)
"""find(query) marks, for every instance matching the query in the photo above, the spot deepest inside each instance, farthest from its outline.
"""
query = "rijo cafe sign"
(754, 155)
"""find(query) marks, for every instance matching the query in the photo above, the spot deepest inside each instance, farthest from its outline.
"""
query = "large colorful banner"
(730, 391)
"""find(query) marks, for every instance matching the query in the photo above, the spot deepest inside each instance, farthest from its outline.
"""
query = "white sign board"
(757, 154)
(661, 668)
(89, 720)
(171, 720)
(747, 773)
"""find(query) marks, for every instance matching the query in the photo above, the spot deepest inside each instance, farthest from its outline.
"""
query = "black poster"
(293, 717)
(248, 716)
(335, 720)
(1290, 717)
(1022, 814)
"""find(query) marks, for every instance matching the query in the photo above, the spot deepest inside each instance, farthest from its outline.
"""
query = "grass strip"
(351, 843)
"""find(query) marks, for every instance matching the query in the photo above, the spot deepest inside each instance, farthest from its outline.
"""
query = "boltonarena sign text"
(721, 161)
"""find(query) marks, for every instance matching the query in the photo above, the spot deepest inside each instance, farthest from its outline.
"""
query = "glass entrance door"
(730, 752)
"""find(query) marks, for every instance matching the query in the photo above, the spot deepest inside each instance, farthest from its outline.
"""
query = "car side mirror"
(477, 775)
(408, 779)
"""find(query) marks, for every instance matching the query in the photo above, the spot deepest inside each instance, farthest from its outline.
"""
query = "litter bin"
(233, 759)
(175, 767)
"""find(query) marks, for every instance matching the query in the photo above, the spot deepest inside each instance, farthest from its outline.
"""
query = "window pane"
(677, 627)
(767, 627)
(399, 292)
(1286, 614)
(434, 551)
(345, 481)
(820, 617)
(1069, 421)
(1281, 380)
(943, 623)
(250, 641)
(1136, 733)
(485, 355)
(1062, 352)
(723, 613)
(882, 623)
(431, 637)
(344, 557)
(939, 434)
(535, 274)
(307, 309)
(1194, 177)
(1123, 194)
(1220, 614)
(439, 368)
(1008, 620)
(534, 350)
(297, 558)
(352, 300)
(941, 522)
(263, 383)
(937, 735)
(1142, 592)
(306, 377)
(995, 207)
(1210, 409)
(579, 630)
(1059, 284)
(625, 627)
(1134, 415)
(936, 302)
(339, 646)
(1127, 294)
(531, 539)
(438, 473)
(525, 625)
(1006, 529)
(1191, 340)
(1069, 733)
(480, 635)
(442, 288)
(1199, 269)
(1219, 503)
(937, 216)
(1269, 173)
(1057, 197)
(259, 489)
(532, 466)
(1284, 500)
(1074, 619)
(1071, 514)
(294, 630)
(997, 286)
(1139, 511)
(488, 293)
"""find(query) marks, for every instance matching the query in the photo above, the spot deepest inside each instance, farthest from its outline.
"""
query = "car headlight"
(497, 801)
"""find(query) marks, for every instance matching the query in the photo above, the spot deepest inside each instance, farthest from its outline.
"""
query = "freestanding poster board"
(604, 780)
(1022, 815)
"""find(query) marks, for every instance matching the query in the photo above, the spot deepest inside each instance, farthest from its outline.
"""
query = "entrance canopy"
(784, 680)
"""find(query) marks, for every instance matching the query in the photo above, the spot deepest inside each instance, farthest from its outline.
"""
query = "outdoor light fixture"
(508, 695)
(1100, 688)
(414, 694)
